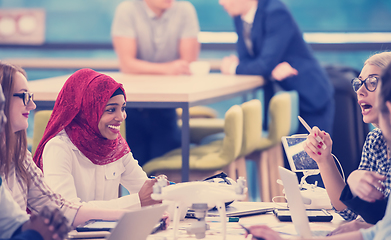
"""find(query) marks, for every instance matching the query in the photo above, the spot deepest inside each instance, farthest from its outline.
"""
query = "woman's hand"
(366, 185)
(263, 232)
(145, 193)
(350, 227)
(314, 148)
(50, 224)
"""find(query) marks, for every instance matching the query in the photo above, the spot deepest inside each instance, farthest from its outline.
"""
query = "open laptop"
(134, 225)
(244, 209)
(296, 204)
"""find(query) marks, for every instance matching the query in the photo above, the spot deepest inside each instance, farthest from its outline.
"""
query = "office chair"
(204, 160)
(264, 148)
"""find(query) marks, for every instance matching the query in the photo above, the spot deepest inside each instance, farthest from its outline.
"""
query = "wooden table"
(156, 91)
(107, 64)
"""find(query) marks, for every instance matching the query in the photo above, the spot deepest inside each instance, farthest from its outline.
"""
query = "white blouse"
(71, 174)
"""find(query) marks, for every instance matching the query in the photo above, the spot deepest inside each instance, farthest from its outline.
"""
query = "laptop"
(296, 205)
(244, 209)
(134, 225)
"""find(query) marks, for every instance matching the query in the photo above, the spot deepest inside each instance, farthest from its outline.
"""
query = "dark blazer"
(370, 212)
(276, 38)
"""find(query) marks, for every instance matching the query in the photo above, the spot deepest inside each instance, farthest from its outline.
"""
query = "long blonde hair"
(13, 146)
(380, 60)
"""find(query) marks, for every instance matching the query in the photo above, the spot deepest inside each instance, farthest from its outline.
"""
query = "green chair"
(203, 127)
(199, 112)
(205, 160)
(41, 119)
(203, 122)
(265, 148)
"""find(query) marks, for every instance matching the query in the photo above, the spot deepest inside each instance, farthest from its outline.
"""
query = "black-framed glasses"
(370, 83)
(25, 96)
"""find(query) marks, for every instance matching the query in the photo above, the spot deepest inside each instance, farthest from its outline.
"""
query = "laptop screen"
(295, 202)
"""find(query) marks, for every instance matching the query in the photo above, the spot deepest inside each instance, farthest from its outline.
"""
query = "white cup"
(199, 67)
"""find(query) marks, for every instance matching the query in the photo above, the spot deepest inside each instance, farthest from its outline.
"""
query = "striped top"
(38, 194)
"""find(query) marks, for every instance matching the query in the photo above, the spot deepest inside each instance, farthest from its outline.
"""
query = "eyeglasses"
(370, 83)
(25, 96)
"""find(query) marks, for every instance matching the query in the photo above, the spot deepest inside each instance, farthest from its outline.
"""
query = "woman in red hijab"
(82, 153)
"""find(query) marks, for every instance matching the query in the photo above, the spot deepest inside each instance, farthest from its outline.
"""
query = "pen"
(310, 131)
(153, 177)
(248, 232)
(160, 226)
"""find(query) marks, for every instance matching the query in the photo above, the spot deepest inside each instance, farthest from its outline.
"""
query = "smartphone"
(314, 215)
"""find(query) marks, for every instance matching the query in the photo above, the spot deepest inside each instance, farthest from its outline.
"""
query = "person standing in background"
(269, 36)
(154, 37)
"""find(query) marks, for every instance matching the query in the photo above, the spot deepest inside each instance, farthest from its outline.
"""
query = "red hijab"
(78, 109)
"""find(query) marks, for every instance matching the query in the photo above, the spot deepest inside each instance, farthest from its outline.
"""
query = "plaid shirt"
(38, 194)
(373, 158)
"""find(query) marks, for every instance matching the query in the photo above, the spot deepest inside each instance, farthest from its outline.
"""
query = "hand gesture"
(228, 63)
(314, 148)
(283, 70)
(145, 193)
(178, 67)
(50, 224)
(367, 185)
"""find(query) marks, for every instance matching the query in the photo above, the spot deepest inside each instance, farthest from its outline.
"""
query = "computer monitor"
(298, 159)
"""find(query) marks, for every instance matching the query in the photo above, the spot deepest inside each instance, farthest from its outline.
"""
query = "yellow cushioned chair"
(199, 112)
(206, 159)
(203, 127)
(203, 122)
(41, 119)
(266, 151)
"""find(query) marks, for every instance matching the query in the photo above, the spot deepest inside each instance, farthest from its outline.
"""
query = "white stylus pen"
(310, 131)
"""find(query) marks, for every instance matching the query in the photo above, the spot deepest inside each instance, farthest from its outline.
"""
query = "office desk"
(235, 232)
(156, 91)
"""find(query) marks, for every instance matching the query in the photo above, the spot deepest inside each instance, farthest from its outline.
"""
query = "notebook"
(138, 224)
(296, 205)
